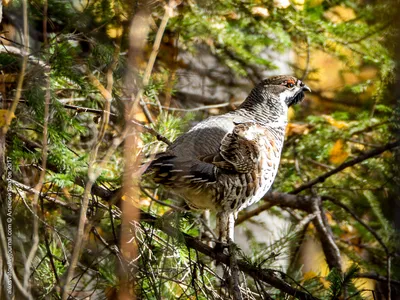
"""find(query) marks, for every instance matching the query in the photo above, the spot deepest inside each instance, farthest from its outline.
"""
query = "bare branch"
(331, 250)
(377, 277)
(29, 189)
(152, 132)
(359, 220)
(255, 212)
(21, 52)
(9, 259)
(39, 185)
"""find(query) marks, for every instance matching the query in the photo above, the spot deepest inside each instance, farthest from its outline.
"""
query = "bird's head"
(269, 101)
(289, 89)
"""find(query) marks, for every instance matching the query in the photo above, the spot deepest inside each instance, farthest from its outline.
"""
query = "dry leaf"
(338, 154)
(309, 275)
(298, 129)
(3, 115)
(325, 282)
(335, 123)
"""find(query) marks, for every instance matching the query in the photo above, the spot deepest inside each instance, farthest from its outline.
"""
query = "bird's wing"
(185, 160)
(204, 138)
(238, 151)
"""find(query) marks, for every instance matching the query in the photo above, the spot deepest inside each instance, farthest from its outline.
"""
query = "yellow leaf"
(298, 129)
(3, 116)
(114, 31)
(338, 154)
(141, 117)
(335, 123)
(325, 282)
(339, 14)
(308, 275)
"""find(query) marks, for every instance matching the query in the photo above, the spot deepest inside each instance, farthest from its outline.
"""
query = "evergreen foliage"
(89, 43)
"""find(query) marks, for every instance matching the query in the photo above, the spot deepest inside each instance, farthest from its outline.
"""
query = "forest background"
(91, 90)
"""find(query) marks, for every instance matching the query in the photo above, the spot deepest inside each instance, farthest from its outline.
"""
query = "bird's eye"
(288, 84)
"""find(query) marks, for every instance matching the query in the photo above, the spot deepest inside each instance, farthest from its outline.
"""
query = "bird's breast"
(237, 191)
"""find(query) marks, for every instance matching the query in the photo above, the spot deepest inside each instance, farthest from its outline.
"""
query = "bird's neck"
(267, 111)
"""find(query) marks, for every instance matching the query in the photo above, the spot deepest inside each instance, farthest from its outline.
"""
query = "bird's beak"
(306, 88)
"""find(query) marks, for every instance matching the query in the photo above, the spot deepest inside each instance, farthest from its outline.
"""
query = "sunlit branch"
(364, 156)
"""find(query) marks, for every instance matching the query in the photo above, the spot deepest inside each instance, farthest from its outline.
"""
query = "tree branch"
(268, 276)
(366, 155)
(331, 250)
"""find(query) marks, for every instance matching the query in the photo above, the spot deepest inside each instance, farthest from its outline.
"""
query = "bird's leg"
(231, 226)
(205, 232)
(222, 229)
(225, 228)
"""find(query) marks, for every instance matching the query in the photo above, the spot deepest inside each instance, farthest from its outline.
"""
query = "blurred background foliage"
(211, 54)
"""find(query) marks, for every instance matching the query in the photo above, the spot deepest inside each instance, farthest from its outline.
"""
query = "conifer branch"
(268, 276)
(93, 171)
(366, 155)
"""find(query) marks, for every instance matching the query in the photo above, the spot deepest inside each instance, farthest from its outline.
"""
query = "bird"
(228, 162)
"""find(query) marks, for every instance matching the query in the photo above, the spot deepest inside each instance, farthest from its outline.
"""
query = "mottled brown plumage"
(228, 162)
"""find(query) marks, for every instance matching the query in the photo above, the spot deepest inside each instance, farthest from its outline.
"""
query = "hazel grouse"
(228, 162)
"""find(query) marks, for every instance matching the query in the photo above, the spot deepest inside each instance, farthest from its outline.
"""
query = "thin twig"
(307, 68)
(11, 111)
(93, 173)
(70, 206)
(255, 212)
(364, 156)
(146, 111)
(389, 275)
(47, 243)
(9, 259)
(377, 277)
(151, 131)
(266, 275)
(80, 109)
(367, 128)
(362, 143)
(174, 207)
(153, 55)
(21, 52)
(203, 107)
(39, 185)
(359, 220)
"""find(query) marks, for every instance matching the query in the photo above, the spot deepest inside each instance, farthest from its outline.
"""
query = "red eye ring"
(288, 84)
